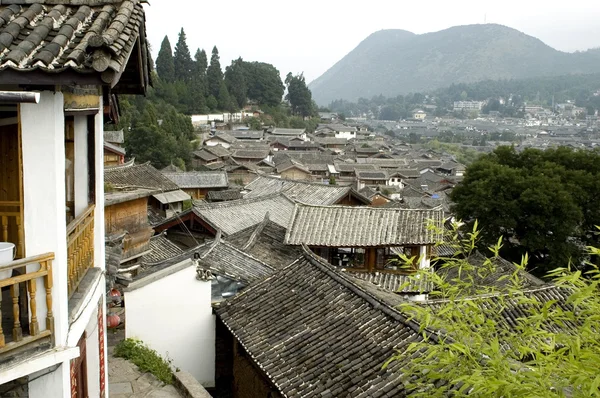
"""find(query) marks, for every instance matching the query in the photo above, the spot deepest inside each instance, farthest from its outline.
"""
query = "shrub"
(146, 359)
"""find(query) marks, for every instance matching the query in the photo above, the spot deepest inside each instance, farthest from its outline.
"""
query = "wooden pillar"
(370, 258)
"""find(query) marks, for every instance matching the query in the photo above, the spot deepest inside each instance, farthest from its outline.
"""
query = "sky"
(310, 36)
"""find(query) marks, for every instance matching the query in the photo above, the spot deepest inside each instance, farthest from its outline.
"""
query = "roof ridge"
(483, 296)
(252, 240)
(231, 203)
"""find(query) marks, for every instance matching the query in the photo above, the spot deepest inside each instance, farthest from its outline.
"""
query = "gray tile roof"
(314, 333)
(371, 175)
(114, 137)
(225, 259)
(304, 192)
(199, 179)
(342, 226)
(161, 249)
(289, 164)
(224, 136)
(236, 215)
(498, 279)
(227, 194)
(257, 154)
(395, 283)
(218, 151)
(283, 131)
(265, 242)
(246, 134)
(205, 155)
(55, 36)
(114, 148)
(138, 176)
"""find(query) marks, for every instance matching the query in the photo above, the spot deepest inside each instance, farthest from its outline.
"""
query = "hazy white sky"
(310, 36)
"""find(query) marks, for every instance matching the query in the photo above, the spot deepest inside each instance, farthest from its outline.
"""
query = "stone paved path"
(126, 381)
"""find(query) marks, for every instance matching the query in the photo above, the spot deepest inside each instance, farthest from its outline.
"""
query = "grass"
(146, 359)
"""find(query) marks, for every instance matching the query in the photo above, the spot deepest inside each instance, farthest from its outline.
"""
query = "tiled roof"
(291, 163)
(54, 36)
(351, 167)
(371, 175)
(161, 249)
(498, 279)
(251, 154)
(199, 179)
(205, 155)
(225, 259)
(227, 194)
(246, 134)
(265, 242)
(406, 173)
(315, 333)
(236, 215)
(218, 151)
(282, 131)
(395, 283)
(304, 192)
(224, 136)
(138, 176)
(114, 148)
(171, 169)
(342, 226)
(114, 137)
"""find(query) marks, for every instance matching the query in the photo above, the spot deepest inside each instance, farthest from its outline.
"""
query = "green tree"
(212, 103)
(164, 62)
(541, 201)
(299, 95)
(224, 99)
(235, 79)
(477, 340)
(264, 83)
(182, 59)
(201, 62)
(214, 74)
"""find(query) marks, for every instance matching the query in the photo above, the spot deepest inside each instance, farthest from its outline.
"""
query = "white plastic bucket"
(7, 254)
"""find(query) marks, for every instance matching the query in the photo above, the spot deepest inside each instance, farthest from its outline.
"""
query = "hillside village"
(279, 263)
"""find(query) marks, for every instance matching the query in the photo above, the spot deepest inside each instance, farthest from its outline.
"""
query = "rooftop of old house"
(342, 226)
(199, 179)
(304, 192)
(131, 181)
(233, 216)
(314, 332)
(92, 42)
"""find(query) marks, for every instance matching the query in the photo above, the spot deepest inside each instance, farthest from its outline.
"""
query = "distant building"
(468, 106)
(419, 115)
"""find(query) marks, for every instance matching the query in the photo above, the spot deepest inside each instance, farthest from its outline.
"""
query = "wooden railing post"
(48, 286)
(34, 327)
(17, 332)
(80, 250)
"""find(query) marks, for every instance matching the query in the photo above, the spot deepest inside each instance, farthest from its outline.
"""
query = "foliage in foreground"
(146, 359)
(470, 347)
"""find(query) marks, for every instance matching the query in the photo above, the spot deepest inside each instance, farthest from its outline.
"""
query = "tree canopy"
(542, 202)
(164, 62)
(182, 59)
(214, 74)
(299, 95)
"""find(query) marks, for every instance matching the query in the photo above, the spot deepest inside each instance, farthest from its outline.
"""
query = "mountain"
(392, 62)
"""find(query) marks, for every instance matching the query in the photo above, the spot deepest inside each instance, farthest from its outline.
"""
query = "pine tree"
(225, 103)
(214, 74)
(182, 59)
(201, 62)
(236, 82)
(164, 62)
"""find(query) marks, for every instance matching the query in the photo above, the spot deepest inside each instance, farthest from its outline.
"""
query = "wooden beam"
(19, 97)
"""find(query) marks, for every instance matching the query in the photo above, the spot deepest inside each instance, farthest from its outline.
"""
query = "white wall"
(345, 134)
(81, 164)
(173, 316)
(43, 146)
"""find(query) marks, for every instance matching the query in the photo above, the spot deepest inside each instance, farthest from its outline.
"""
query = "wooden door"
(79, 372)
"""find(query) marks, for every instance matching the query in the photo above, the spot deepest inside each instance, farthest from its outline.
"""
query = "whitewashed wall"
(173, 315)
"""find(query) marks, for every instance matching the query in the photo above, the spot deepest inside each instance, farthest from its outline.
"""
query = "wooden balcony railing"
(11, 225)
(29, 331)
(80, 247)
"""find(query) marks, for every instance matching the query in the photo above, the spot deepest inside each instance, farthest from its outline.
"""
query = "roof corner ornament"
(202, 273)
